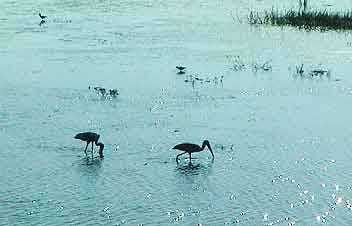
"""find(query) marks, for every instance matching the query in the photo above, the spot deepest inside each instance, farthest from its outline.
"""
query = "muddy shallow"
(281, 141)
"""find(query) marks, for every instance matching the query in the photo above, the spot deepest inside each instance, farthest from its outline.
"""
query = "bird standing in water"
(190, 148)
(181, 69)
(41, 16)
(91, 137)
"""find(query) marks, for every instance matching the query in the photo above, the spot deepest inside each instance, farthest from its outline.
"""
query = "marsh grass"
(239, 64)
(266, 66)
(198, 80)
(311, 19)
(312, 72)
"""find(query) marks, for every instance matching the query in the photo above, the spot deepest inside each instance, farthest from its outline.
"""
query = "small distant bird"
(190, 148)
(181, 69)
(42, 16)
(91, 137)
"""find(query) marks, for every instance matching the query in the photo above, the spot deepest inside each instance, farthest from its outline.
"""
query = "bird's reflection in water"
(96, 161)
(181, 72)
(195, 169)
(41, 23)
(90, 166)
(192, 178)
(89, 172)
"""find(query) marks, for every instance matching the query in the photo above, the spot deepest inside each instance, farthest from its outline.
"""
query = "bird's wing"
(187, 147)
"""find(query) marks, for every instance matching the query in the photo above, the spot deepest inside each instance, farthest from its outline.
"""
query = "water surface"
(281, 141)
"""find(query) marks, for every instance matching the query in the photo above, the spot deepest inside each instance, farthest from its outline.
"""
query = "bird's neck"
(203, 146)
(101, 147)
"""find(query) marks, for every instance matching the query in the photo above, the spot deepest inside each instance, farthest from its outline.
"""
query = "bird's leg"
(179, 156)
(85, 150)
(92, 149)
(190, 157)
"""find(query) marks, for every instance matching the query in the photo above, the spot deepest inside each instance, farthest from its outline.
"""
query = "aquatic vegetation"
(193, 79)
(266, 66)
(314, 71)
(113, 92)
(306, 19)
(303, 3)
(103, 92)
(236, 62)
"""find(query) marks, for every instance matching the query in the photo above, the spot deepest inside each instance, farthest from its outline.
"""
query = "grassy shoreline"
(311, 19)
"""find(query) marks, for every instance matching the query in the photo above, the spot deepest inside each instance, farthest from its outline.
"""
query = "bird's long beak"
(211, 151)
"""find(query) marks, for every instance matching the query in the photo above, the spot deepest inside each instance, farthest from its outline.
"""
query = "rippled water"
(281, 141)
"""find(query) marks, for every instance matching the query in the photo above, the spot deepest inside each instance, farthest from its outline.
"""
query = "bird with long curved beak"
(91, 137)
(191, 148)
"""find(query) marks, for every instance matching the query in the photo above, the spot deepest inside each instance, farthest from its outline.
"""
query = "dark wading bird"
(90, 137)
(190, 148)
(41, 16)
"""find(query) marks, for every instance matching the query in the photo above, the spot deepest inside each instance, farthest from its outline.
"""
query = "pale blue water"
(282, 143)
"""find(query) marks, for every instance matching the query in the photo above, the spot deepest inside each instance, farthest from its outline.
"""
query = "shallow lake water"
(282, 140)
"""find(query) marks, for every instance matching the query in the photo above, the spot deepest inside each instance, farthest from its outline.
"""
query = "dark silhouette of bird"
(190, 148)
(41, 16)
(91, 137)
(181, 69)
